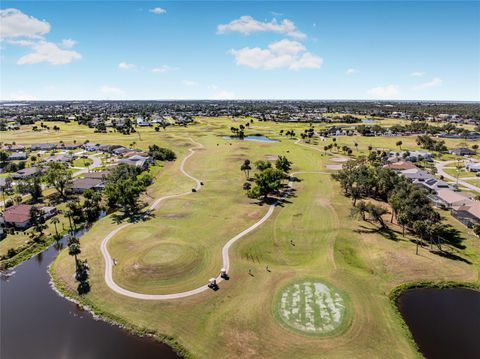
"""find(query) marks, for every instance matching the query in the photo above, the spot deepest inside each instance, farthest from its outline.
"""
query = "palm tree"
(356, 145)
(74, 249)
(55, 221)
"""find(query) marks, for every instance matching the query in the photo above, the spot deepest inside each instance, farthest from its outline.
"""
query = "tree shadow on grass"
(451, 256)
(133, 218)
(453, 237)
(384, 232)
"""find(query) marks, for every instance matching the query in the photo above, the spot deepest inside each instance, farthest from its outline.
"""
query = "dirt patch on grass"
(271, 157)
(334, 167)
(254, 214)
(173, 215)
(339, 159)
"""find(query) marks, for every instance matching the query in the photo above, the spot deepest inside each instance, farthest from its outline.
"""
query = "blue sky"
(244, 50)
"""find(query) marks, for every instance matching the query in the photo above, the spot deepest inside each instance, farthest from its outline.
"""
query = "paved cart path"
(226, 259)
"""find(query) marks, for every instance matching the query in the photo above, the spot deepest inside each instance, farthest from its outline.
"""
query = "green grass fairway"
(311, 237)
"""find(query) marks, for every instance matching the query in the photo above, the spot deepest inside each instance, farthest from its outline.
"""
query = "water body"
(368, 121)
(37, 323)
(252, 138)
(445, 323)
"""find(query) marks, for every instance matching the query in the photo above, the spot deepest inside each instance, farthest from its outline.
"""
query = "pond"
(258, 138)
(38, 323)
(445, 323)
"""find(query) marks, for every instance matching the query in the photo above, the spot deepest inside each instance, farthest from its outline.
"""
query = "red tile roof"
(17, 214)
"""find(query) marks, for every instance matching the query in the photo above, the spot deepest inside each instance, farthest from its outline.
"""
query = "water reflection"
(38, 323)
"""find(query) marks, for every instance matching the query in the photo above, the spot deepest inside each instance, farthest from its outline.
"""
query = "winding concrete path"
(440, 169)
(225, 257)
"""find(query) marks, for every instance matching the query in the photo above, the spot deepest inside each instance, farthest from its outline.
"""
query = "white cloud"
(247, 25)
(388, 91)
(351, 71)
(190, 83)
(224, 95)
(286, 46)
(435, 82)
(417, 73)
(21, 42)
(111, 90)
(19, 96)
(280, 54)
(163, 68)
(125, 66)
(68, 43)
(158, 10)
(45, 51)
(17, 24)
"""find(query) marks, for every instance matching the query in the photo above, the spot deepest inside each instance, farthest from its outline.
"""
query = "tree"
(74, 249)
(123, 188)
(246, 168)
(30, 186)
(75, 211)
(161, 154)
(267, 182)
(262, 165)
(91, 205)
(58, 177)
(283, 164)
(56, 221)
(38, 222)
(376, 213)
(399, 144)
(360, 209)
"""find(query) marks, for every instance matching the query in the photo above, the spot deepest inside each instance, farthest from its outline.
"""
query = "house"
(468, 213)
(48, 211)
(5, 183)
(108, 148)
(142, 122)
(26, 173)
(415, 156)
(70, 146)
(43, 147)
(138, 161)
(91, 146)
(446, 198)
(59, 158)
(18, 216)
(472, 166)
(14, 148)
(400, 166)
(435, 184)
(135, 153)
(416, 175)
(462, 151)
(17, 156)
(98, 175)
(120, 150)
(80, 185)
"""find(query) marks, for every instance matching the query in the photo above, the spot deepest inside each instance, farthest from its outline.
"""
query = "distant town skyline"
(69, 50)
